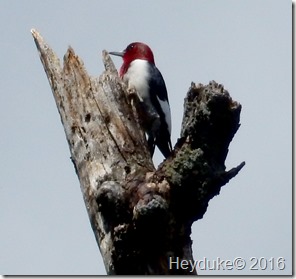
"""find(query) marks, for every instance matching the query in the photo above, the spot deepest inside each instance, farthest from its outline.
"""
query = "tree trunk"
(141, 216)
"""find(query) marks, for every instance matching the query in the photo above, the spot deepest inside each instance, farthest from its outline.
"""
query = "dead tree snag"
(141, 216)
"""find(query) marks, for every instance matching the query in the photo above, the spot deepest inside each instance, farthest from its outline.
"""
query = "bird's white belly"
(137, 77)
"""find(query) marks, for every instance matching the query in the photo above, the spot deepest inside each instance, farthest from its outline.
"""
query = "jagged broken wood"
(141, 216)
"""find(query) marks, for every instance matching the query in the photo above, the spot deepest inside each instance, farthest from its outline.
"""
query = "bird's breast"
(137, 76)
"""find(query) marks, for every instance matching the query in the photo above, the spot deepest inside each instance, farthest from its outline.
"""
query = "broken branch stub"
(210, 120)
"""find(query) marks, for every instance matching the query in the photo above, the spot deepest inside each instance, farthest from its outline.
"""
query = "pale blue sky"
(245, 45)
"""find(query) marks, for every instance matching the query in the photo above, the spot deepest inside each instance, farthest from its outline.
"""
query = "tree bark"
(141, 216)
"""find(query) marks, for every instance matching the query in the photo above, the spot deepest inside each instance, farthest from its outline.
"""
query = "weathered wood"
(141, 216)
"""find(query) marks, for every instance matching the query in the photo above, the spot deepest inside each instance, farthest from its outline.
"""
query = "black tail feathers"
(163, 143)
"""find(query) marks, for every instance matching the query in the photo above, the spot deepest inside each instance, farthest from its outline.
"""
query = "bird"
(138, 71)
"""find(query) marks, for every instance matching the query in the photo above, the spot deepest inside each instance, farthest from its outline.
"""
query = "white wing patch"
(167, 112)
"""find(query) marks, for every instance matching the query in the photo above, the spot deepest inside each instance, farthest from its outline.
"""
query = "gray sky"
(245, 45)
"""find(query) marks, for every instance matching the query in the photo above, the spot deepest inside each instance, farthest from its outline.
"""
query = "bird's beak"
(117, 53)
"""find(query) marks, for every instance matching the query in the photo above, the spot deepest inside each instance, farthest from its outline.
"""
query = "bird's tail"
(163, 142)
(165, 146)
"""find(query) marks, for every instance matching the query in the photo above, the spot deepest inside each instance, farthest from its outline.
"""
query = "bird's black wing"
(159, 99)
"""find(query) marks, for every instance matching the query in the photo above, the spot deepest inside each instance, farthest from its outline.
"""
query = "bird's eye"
(130, 47)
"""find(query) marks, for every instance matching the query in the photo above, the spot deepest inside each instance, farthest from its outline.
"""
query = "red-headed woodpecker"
(139, 72)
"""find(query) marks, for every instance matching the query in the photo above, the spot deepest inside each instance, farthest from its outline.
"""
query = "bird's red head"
(137, 51)
(132, 52)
